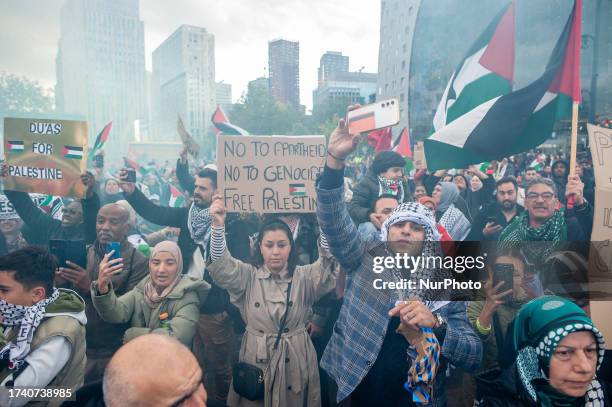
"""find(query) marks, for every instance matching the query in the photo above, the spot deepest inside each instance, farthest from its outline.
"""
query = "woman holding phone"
(165, 302)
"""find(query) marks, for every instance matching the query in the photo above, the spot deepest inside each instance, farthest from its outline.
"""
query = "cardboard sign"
(45, 156)
(600, 142)
(269, 174)
(600, 260)
(7, 211)
(188, 141)
(419, 156)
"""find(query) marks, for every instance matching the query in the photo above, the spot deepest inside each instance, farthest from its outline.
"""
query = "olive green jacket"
(182, 306)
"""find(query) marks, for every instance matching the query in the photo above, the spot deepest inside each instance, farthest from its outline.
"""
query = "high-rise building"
(417, 59)
(284, 68)
(100, 67)
(184, 82)
(224, 95)
(397, 23)
(332, 62)
(347, 87)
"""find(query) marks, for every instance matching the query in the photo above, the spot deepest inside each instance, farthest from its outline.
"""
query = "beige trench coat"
(293, 376)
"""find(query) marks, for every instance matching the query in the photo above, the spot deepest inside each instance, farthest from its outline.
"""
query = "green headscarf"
(539, 327)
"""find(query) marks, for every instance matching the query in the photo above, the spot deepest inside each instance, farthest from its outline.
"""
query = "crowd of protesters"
(176, 302)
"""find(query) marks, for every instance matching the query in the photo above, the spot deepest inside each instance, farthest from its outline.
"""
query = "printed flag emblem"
(297, 189)
(73, 152)
(15, 146)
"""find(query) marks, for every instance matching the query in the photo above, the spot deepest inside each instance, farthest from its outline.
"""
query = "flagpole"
(574, 139)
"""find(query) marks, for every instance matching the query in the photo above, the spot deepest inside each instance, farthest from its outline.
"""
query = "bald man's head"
(154, 371)
(112, 223)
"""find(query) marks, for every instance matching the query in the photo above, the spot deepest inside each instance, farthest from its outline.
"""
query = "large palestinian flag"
(498, 123)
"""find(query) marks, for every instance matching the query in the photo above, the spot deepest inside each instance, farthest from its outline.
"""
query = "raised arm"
(185, 179)
(29, 212)
(227, 272)
(344, 241)
(159, 215)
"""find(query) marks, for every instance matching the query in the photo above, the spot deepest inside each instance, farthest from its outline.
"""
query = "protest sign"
(7, 211)
(188, 141)
(419, 156)
(269, 174)
(600, 258)
(45, 156)
(600, 142)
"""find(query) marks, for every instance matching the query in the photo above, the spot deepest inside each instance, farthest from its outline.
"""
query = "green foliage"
(19, 94)
(259, 114)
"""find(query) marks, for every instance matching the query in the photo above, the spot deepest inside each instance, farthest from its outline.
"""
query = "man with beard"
(215, 328)
(44, 226)
(103, 338)
(560, 171)
(496, 216)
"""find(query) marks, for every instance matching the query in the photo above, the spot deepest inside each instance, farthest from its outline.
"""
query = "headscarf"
(27, 320)
(421, 215)
(451, 196)
(412, 212)
(150, 293)
(539, 327)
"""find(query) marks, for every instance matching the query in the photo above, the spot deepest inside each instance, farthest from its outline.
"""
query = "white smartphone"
(373, 117)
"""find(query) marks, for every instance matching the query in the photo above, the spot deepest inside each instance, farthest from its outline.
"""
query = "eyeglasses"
(546, 196)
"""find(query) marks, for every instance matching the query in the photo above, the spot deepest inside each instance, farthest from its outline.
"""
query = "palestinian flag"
(297, 189)
(538, 162)
(485, 74)
(512, 123)
(52, 205)
(101, 140)
(403, 145)
(133, 164)
(73, 152)
(15, 146)
(380, 139)
(222, 124)
(177, 200)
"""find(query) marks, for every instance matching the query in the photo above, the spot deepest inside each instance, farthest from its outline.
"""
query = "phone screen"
(131, 175)
(116, 246)
(503, 273)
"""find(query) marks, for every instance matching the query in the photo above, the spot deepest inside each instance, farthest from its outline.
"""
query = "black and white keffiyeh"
(27, 320)
(199, 222)
(417, 213)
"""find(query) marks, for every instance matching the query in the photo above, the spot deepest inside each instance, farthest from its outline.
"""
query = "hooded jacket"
(65, 318)
(560, 182)
(182, 305)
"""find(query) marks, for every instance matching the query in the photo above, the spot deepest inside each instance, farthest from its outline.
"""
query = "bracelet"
(334, 157)
(482, 329)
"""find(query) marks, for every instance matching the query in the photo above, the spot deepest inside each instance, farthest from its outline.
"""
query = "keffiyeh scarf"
(551, 235)
(421, 215)
(26, 319)
(391, 187)
(199, 222)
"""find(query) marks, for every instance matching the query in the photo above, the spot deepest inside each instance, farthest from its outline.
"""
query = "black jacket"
(44, 225)
(237, 242)
(364, 195)
(491, 210)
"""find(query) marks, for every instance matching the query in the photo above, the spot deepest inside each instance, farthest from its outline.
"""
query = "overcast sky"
(242, 28)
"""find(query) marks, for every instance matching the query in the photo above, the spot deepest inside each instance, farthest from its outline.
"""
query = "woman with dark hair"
(275, 297)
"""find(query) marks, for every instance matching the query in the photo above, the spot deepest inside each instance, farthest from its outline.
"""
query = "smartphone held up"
(374, 117)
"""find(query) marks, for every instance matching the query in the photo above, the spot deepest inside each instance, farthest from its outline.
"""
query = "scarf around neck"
(199, 222)
(27, 319)
(391, 187)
